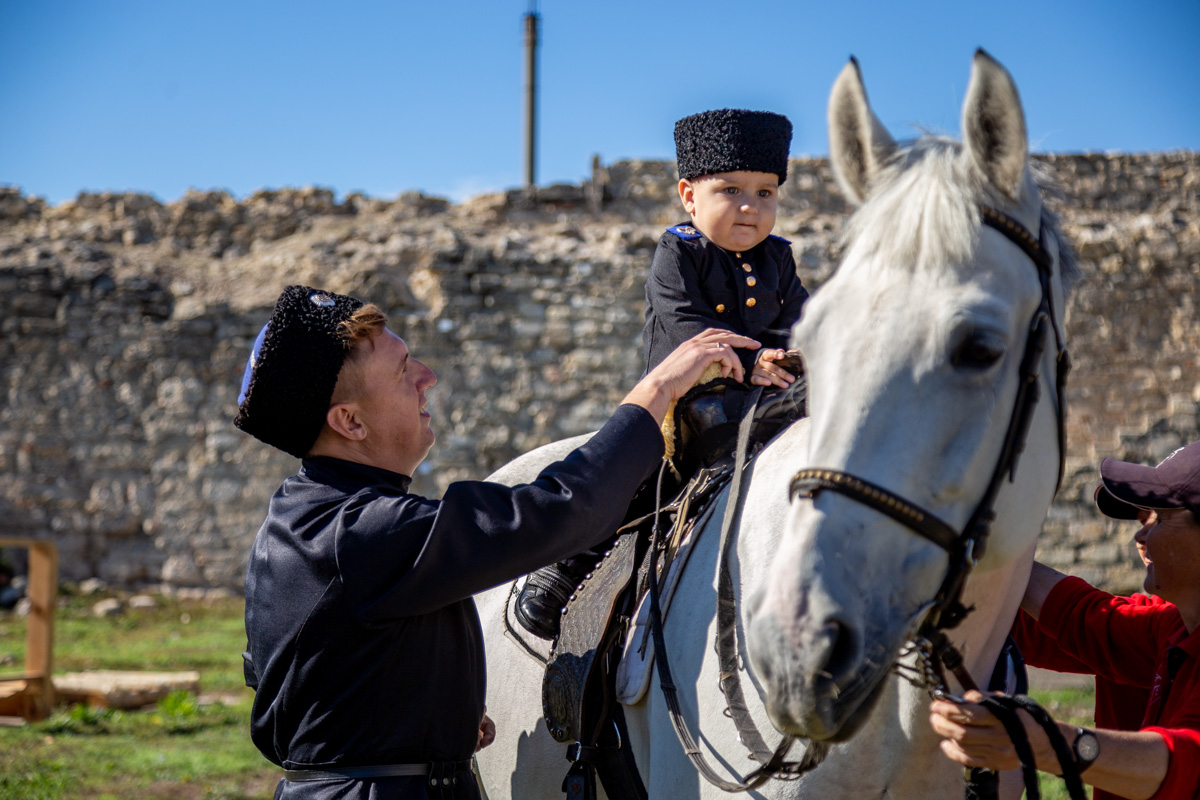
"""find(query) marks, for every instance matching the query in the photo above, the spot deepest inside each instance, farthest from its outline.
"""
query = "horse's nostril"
(844, 653)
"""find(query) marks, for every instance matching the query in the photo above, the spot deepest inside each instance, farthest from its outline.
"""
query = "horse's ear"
(858, 143)
(993, 125)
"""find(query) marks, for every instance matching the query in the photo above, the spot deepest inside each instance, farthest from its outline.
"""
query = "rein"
(774, 763)
(933, 648)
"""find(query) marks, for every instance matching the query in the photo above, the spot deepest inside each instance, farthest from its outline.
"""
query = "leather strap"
(615, 764)
(726, 639)
(1005, 708)
(1018, 234)
(807, 482)
(374, 771)
(775, 762)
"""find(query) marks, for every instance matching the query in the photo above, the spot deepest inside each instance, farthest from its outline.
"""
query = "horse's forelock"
(923, 209)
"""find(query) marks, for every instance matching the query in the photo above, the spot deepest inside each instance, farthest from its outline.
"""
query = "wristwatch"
(1086, 747)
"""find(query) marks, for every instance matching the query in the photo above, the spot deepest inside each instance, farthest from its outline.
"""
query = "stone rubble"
(125, 324)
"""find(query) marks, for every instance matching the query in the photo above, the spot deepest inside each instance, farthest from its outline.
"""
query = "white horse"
(913, 351)
(891, 343)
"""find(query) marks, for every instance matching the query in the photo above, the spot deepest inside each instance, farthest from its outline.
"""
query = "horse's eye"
(977, 351)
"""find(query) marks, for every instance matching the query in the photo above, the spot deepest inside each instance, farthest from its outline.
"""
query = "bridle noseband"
(967, 547)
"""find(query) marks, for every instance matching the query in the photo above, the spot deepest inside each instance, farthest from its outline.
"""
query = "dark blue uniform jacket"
(364, 644)
(694, 285)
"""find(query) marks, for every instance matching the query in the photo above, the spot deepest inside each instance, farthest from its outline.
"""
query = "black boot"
(545, 594)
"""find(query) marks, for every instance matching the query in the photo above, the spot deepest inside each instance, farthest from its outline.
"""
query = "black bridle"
(965, 548)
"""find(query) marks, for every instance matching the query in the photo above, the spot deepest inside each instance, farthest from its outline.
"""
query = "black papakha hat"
(293, 369)
(729, 140)
(1126, 488)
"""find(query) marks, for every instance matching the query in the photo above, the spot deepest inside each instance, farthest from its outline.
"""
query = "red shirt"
(1147, 669)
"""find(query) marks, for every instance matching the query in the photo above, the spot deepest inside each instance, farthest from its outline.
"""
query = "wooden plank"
(119, 689)
(36, 686)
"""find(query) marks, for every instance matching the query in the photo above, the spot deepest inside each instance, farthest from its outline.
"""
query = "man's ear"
(343, 418)
(687, 193)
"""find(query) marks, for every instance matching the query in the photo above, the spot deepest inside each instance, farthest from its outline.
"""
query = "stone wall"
(126, 323)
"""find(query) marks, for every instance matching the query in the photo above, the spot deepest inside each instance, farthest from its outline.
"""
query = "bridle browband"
(965, 548)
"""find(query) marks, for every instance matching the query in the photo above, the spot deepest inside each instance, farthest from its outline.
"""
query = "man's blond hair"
(364, 323)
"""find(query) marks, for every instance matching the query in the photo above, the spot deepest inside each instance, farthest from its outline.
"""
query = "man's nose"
(428, 379)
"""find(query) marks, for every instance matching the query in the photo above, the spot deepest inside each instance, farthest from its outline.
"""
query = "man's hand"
(1131, 763)
(974, 737)
(767, 373)
(487, 733)
(679, 371)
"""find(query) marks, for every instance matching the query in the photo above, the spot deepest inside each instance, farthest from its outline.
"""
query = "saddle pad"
(633, 673)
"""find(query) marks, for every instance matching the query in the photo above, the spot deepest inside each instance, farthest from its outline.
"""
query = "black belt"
(440, 771)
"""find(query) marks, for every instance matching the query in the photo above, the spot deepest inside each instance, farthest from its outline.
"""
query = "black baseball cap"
(1127, 488)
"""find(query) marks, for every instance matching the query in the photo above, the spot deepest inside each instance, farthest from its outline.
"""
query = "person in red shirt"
(1144, 651)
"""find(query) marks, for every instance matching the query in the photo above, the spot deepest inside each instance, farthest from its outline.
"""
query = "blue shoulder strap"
(684, 231)
(780, 238)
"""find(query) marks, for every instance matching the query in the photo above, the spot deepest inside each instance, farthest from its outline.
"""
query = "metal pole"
(531, 42)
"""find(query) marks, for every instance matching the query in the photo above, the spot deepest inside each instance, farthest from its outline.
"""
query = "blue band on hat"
(249, 373)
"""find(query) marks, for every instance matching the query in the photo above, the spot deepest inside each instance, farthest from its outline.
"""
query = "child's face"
(735, 210)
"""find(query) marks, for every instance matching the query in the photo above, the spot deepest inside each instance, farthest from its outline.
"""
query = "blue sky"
(382, 97)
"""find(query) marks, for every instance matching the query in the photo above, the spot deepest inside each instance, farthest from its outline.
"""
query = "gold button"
(751, 280)
(750, 301)
(747, 267)
(720, 308)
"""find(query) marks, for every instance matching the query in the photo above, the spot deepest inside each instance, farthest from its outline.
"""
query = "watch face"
(1087, 746)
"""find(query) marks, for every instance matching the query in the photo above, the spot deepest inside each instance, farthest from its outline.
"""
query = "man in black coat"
(364, 647)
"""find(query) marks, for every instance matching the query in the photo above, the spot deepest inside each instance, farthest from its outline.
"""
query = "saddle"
(705, 420)
(579, 686)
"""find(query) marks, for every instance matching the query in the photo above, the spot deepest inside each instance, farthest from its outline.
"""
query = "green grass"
(182, 748)
(204, 636)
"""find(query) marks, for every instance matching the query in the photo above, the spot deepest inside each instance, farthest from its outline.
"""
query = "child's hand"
(767, 373)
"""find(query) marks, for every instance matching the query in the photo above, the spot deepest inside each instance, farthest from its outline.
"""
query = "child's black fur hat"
(728, 140)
